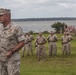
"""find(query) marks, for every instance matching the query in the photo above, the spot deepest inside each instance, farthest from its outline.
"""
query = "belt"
(52, 41)
(29, 41)
(40, 44)
(65, 43)
(26, 43)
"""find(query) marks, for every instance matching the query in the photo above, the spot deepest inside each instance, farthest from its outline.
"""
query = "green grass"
(52, 66)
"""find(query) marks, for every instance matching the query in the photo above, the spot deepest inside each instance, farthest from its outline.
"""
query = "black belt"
(52, 41)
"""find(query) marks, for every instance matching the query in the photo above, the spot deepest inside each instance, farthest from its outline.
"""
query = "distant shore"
(45, 19)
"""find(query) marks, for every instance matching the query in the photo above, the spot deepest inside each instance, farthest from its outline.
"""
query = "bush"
(58, 26)
(45, 32)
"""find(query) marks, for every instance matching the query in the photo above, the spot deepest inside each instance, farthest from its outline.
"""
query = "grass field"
(52, 66)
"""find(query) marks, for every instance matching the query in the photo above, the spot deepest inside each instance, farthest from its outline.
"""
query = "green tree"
(59, 26)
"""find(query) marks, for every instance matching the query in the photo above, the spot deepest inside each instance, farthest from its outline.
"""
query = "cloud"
(40, 8)
(67, 5)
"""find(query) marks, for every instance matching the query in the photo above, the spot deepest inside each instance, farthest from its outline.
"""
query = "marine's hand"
(9, 54)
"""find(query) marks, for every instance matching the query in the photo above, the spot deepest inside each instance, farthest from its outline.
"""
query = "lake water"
(37, 26)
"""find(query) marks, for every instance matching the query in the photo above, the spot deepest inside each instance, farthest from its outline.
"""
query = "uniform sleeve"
(56, 37)
(36, 40)
(70, 38)
(19, 34)
(45, 38)
(32, 37)
(48, 37)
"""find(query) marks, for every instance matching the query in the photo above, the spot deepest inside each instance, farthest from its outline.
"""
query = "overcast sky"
(40, 8)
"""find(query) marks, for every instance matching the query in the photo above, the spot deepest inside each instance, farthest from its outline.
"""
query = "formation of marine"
(40, 47)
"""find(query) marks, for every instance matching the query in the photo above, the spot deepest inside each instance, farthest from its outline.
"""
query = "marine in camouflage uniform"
(26, 46)
(11, 41)
(30, 47)
(65, 41)
(69, 44)
(52, 39)
(41, 40)
(36, 47)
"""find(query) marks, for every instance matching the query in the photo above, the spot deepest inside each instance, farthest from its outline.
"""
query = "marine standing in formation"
(69, 43)
(30, 46)
(41, 41)
(65, 41)
(26, 46)
(52, 39)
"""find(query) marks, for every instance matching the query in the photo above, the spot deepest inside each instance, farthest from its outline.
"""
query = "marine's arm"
(21, 42)
(17, 48)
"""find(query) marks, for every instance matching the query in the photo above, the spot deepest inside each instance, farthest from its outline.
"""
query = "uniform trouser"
(26, 47)
(30, 49)
(41, 51)
(64, 49)
(10, 68)
(37, 51)
(52, 48)
(69, 47)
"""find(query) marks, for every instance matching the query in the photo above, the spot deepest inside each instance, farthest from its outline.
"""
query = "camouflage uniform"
(41, 48)
(65, 40)
(30, 48)
(10, 36)
(69, 43)
(52, 39)
(36, 47)
(26, 46)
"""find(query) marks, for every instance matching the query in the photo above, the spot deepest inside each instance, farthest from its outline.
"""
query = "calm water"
(37, 26)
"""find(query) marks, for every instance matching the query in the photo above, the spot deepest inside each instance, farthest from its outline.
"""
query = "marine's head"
(4, 11)
(51, 32)
(5, 15)
(40, 33)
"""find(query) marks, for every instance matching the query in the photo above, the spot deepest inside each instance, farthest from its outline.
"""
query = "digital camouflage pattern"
(30, 47)
(41, 51)
(65, 41)
(10, 36)
(52, 44)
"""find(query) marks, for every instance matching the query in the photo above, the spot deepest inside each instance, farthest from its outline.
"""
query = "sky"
(40, 8)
